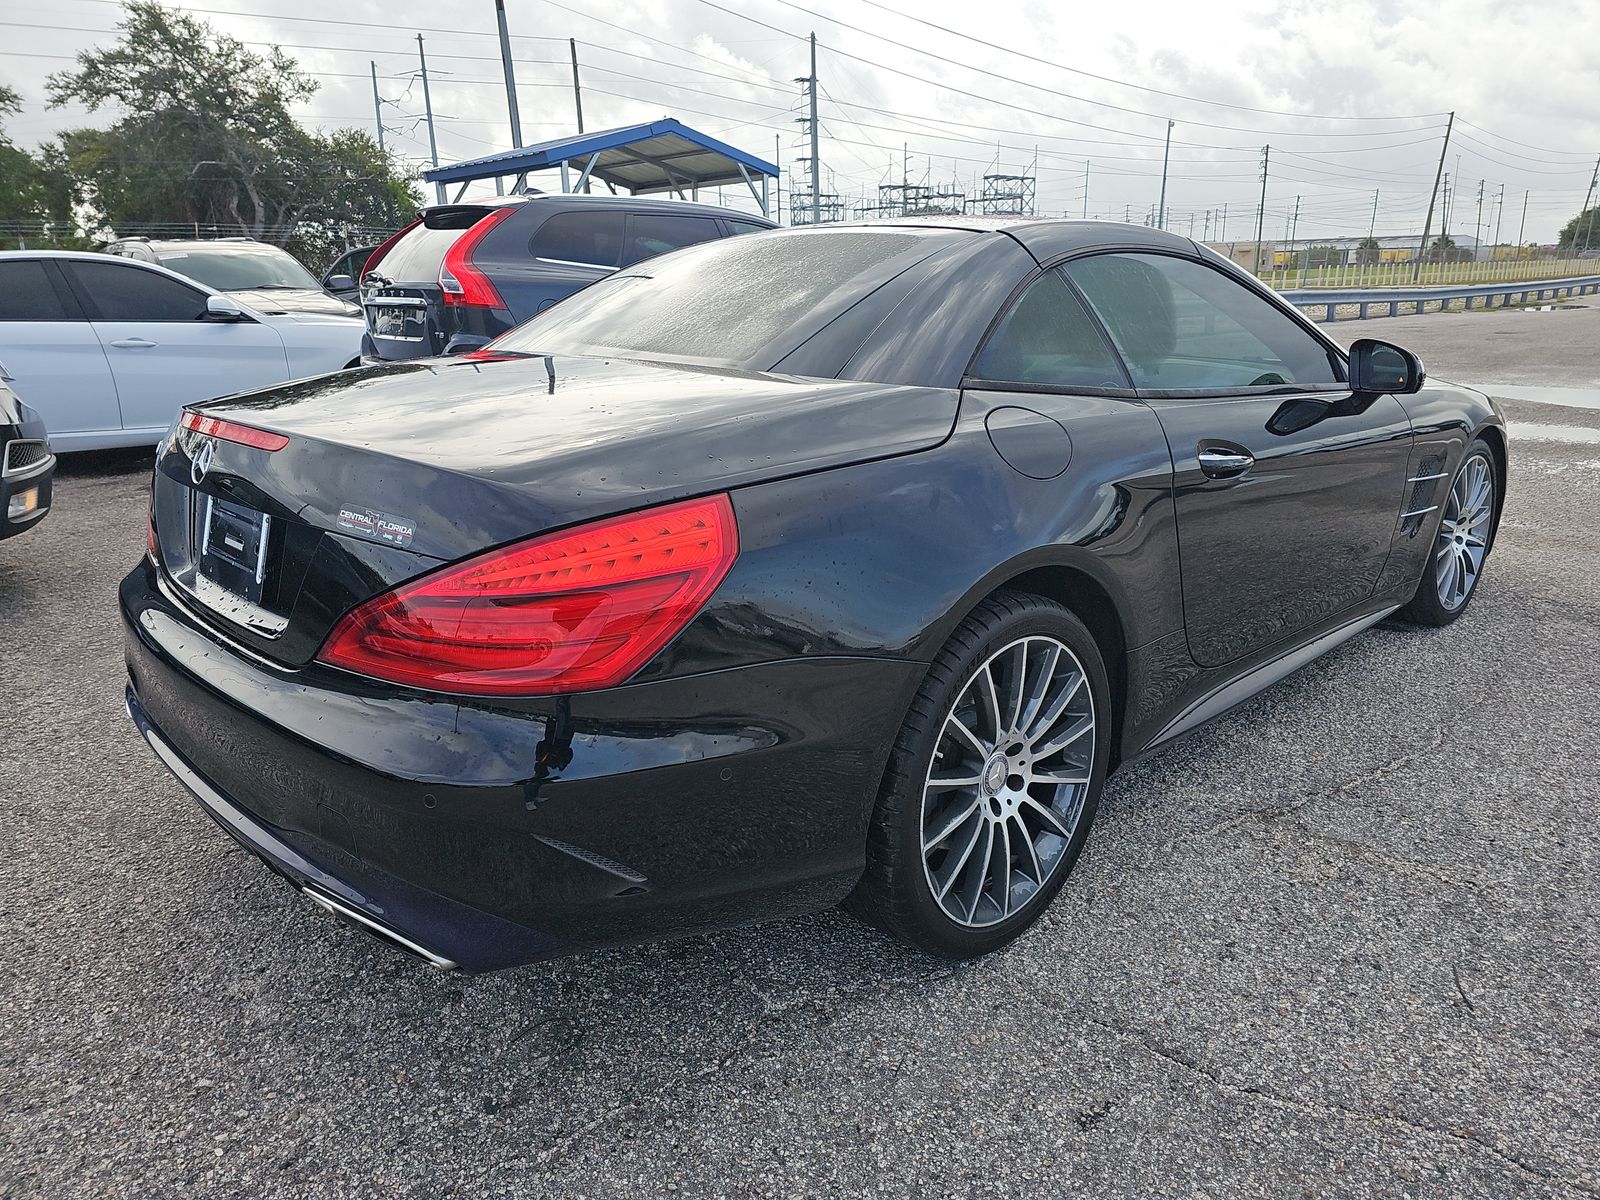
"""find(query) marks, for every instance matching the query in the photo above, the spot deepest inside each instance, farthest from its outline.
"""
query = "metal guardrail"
(1331, 299)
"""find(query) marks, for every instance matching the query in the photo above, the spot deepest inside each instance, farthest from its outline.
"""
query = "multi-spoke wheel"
(1008, 779)
(1466, 532)
(993, 781)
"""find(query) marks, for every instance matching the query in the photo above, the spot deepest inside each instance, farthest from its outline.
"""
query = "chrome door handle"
(1218, 463)
(134, 343)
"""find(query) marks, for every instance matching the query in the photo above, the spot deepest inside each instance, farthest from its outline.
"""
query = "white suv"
(107, 350)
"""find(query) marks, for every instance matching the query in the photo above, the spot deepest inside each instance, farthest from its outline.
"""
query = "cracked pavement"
(1342, 943)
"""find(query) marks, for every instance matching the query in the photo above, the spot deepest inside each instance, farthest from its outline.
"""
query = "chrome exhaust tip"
(377, 928)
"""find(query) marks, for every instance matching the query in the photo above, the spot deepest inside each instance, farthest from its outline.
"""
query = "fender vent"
(1420, 502)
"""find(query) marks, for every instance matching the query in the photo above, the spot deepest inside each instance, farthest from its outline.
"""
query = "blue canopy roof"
(661, 156)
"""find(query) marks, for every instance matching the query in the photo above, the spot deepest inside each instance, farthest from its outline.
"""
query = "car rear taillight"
(229, 431)
(564, 612)
(383, 248)
(462, 282)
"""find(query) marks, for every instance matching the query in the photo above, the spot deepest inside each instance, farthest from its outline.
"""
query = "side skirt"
(1236, 691)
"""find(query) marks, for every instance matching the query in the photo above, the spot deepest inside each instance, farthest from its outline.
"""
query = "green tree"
(1443, 250)
(1583, 231)
(27, 201)
(1368, 252)
(206, 138)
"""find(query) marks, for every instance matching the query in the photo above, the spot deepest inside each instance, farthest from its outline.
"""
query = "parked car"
(341, 276)
(26, 464)
(109, 349)
(464, 273)
(267, 278)
(848, 578)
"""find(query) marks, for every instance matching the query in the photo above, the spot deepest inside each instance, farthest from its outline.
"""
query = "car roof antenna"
(550, 370)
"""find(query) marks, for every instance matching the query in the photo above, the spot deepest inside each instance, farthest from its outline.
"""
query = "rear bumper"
(490, 836)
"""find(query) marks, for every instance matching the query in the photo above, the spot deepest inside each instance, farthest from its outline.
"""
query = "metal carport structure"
(660, 156)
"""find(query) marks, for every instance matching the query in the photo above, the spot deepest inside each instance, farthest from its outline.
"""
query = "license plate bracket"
(233, 547)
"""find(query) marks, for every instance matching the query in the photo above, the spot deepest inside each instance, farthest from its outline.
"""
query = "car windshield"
(239, 269)
(741, 302)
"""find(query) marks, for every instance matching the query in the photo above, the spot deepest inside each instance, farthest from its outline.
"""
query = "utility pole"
(1499, 214)
(577, 93)
(1589, 228)
(1294, 228)
(511, 79)
(1222, 233)
(1427, 224)
(377, 105)
(1261, 209)
(1523, 227)
(1086, 189)
(1477, 225)
(777, 184)
(816, 157)
(1161, 210)
(1372, 225)
(427, 108)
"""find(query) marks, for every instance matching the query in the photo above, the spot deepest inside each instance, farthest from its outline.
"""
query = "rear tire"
(993, 782)
(1461, 547)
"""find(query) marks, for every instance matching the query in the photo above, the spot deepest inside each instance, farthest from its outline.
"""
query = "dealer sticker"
(379, 526)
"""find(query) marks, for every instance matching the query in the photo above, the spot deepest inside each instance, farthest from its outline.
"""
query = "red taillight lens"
(384, 248)
(462, 282)
(229, 431)
(566, 612)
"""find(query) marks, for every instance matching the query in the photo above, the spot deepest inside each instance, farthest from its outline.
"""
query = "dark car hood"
(300, 300)
(479, 451)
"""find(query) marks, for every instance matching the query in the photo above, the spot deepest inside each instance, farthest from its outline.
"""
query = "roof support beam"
(761, 196)
(583, 179)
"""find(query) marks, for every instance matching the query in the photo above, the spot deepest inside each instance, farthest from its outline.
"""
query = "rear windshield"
(417, 257)
(731, 302)
(238, 270)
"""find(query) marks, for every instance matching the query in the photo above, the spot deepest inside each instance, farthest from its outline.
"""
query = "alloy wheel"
(1464, 532)
(1007, 783)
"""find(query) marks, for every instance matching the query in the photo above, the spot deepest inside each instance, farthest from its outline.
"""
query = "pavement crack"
(1055, 1002)
(1455, 973)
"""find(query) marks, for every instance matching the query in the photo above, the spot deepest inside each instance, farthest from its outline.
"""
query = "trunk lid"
(403, 303)
(391, 470)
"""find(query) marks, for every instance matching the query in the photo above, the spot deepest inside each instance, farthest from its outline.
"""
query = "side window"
(650, 234)
(1048, 338)
(1181, 324)
(593, 238)
(745, 226)
(26, 294)
(123, 292)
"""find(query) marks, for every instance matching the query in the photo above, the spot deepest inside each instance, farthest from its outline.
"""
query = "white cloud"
(1523, 71)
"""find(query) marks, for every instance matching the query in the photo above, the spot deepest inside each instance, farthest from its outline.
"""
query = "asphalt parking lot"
(1341, 943)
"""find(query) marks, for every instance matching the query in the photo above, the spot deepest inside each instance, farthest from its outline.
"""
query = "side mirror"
(220, 308)
(1380, 367)
(339, 283)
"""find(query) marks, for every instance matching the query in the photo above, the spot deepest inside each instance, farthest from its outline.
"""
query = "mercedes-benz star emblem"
(201, 462)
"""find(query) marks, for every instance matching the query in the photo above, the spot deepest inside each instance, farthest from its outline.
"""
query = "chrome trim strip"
(1240, 689)
(1419, 512)
(340, 909)
(394, 302)
(1425, 478)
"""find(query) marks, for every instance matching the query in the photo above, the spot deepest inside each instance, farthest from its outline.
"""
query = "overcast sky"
(1351, 94)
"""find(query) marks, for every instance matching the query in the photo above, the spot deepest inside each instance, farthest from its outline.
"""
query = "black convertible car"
(822, 565)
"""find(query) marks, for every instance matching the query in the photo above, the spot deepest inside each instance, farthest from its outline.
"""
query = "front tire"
(1461, 547)
(993, 782)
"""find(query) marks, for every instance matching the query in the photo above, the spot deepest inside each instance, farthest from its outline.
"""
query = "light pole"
(1166, 155)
